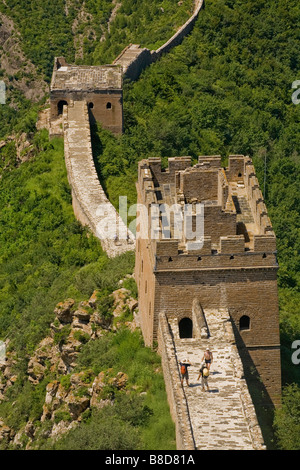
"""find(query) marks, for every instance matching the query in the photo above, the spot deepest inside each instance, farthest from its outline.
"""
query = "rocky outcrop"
(22, 150)
(71, 393)
(19, 72)
(7, 373)
(72, 327)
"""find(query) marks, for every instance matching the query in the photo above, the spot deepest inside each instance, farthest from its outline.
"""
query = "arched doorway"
(60, 106)
(244, 323)
(186, 328)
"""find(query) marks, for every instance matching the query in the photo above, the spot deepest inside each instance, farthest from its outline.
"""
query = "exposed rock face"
(5, 432)
(22, 72)
(7, 373)
(69, 394)
(63, 311)
(46, 352)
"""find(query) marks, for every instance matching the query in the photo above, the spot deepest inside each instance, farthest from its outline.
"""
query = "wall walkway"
(223, 418)
(134, 58)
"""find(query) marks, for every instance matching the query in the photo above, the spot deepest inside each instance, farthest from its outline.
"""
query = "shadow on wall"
(262, 402)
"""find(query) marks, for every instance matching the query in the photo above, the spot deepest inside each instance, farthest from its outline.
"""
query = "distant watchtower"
(100, 86)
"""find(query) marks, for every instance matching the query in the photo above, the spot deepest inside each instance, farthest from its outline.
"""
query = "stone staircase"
(222, 418)
(243, 210)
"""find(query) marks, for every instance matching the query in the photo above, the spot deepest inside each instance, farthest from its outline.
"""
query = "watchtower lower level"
(100, 86)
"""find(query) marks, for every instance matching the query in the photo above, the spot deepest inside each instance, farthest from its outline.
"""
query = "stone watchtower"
(100, 86)
(233, 264)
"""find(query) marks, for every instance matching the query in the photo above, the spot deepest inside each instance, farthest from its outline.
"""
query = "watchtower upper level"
(236, 222)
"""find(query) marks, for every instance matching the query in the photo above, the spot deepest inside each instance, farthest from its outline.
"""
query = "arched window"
(108, 105)
(60, 106)
(186, 328)
(244, 323)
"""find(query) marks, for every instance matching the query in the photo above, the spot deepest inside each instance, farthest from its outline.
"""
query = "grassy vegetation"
(140, 420)
(46, 256)
(227, 90)
(147, 23)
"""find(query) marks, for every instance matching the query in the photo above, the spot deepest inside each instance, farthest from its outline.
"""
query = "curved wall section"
(134, 58)
(90, 204)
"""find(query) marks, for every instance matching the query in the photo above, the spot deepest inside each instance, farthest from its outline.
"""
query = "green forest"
(227, 89)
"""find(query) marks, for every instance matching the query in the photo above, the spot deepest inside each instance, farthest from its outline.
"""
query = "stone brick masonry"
(100, 86)
(234, 268)
(135, 58)
(222, 418)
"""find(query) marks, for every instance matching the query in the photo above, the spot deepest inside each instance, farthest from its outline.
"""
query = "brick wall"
(226, 271)
(200, 185)
(176, 397)
(134, 59)
(244, 292)
(104, 106)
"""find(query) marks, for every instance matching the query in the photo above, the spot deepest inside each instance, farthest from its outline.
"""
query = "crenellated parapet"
(234, 215)
(256, 201)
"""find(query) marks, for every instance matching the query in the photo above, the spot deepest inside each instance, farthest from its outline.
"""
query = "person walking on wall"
(184, 371)
(208, 358)
(204, 373)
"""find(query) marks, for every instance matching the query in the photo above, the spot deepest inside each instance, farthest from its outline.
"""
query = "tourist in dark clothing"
(184, 371)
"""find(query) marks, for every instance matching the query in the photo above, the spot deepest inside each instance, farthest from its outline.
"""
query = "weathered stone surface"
(46, 351)
(29, 429)
(222, 418)
(63, 311)
(93, 299)
(70, 394)
(82, 313)
(51, 390)
(235, 265)
(90, 204)
(76, 404)
(6, 433)
(70, 350)
(120, 381)
(61, 428)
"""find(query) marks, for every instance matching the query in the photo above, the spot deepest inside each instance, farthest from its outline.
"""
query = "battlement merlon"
(169, 256)
(167, 175)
